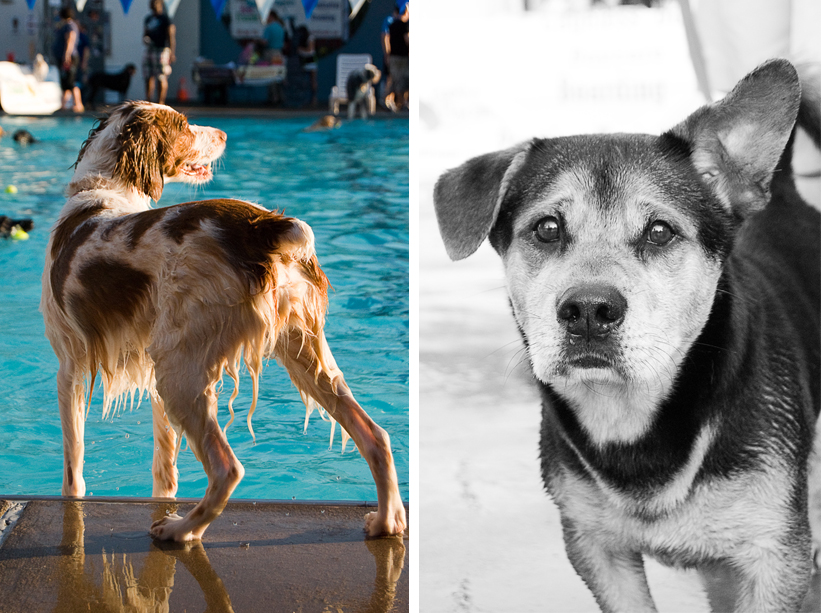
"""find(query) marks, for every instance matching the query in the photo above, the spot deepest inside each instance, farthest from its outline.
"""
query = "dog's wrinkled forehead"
(613, 182)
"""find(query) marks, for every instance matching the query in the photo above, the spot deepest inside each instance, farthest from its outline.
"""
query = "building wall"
(22, 40)
(127, 45)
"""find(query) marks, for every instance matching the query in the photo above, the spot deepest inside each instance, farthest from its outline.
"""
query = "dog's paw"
(172, 528)
(393, 522)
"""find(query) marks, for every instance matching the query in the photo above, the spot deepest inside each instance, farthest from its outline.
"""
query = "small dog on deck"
(118, 82)
(164, 300)
(361, 94)
(667, 292)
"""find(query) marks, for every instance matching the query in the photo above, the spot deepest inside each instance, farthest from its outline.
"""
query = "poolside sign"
(328, 19)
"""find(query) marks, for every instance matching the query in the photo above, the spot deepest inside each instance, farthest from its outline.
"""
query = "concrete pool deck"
(60, 554)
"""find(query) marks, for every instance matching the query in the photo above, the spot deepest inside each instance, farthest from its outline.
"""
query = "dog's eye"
(660, 233)
(547, 230)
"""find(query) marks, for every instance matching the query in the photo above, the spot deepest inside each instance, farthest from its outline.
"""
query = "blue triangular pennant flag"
(309, 6)
(126, 5)
(31, 4)
(218, 5)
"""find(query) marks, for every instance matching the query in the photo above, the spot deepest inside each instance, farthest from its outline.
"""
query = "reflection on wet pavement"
(66, 556)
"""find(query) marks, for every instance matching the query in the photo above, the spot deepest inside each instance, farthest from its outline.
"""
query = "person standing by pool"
(274, 37)
(398, 50)
(160, 38)
(66, 56)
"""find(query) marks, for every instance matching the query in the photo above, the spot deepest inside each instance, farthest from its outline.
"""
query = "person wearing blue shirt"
(274, 37)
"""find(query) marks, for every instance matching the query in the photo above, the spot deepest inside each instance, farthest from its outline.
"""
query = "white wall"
(24, 39)
(127, 45)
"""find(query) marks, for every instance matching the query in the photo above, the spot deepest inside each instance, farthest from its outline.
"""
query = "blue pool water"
(351, 186)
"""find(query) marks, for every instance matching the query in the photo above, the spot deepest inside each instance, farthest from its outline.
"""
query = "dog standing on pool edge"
(667, 292)
(164, 300)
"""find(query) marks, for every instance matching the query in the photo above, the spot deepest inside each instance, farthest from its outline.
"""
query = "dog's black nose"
(591, 311)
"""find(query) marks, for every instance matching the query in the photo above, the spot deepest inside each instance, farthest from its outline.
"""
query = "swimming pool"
(351, 186)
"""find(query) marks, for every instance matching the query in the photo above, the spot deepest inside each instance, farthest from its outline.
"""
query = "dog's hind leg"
(314, 372)
(187, 389)
(164, 468)
(70, 392)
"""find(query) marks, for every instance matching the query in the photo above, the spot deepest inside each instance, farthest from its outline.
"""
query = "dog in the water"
(23, 137)
(326, 122)
(10, 227)
(667, 292)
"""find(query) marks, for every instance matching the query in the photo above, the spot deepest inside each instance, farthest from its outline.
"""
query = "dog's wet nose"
(591, 311)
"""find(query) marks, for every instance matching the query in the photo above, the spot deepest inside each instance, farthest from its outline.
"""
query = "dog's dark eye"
(547, 230)
(660, 233)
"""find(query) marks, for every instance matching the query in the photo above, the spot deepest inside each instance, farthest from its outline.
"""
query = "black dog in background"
(23, 137)
(117, 82)
(7, 224)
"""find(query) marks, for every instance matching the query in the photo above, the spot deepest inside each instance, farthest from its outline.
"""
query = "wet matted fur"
(163, 301)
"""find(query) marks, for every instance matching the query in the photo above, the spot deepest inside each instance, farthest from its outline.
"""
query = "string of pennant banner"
(263, 6)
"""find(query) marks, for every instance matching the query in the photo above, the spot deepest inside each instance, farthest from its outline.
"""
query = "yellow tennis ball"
(11, 189)
(17, 233)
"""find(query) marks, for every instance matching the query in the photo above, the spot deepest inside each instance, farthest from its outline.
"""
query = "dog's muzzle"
(591, 312)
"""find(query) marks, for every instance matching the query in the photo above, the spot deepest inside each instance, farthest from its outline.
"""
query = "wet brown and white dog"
(667, 292)
(164, 300)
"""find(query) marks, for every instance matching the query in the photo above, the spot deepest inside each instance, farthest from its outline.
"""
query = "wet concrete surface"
(64, 556)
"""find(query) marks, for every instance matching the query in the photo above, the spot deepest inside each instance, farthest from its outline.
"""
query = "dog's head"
(141, 145)
(372, 73)
(613, 246)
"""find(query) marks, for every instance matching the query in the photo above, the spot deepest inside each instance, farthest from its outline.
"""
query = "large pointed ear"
(467, 199)
(736, 143)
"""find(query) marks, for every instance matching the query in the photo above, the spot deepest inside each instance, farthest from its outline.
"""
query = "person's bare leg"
(78, 100)
(163, 89)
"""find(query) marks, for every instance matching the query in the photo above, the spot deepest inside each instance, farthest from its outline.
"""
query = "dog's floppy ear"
(467, 199)
(146, 144)
(736, 143)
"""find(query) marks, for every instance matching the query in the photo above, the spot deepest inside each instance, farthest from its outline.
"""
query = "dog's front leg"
(616, 577)
(191, 403)
(70, 394)
(774, 578)
(164, 468)
(314, 372)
